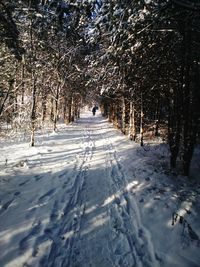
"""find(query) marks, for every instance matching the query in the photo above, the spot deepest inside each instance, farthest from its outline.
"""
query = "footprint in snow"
(17, 193)
(39, 241)
(38, 177)
(24, 244)
(52, 233)
(47, 195)
(54, 213)
(6, 206)
(25, 182)
(31, 212)
(62, 175)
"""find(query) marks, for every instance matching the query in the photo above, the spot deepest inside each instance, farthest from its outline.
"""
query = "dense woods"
(139, 59)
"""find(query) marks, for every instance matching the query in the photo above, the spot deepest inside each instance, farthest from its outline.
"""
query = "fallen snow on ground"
(87, 196)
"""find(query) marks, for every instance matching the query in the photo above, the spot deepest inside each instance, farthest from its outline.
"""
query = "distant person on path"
(94, 109)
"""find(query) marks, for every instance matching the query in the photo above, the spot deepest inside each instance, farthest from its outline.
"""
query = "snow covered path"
(70, 202)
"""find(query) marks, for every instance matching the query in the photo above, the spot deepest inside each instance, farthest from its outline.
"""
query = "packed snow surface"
(86, 196)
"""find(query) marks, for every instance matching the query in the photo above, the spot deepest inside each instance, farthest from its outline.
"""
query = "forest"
(139, 60)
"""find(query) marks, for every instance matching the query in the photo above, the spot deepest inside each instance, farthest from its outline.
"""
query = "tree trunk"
(44, 107)
(187, 126)
(77, 106)
(123, 119)
(110, 112)
(52, 109)
(70, 109)
(10, 87)
(132, 131)
(23, 83)
(65, 110)
(33, 80)
(141, 122)
(44, 100)
(174, 128)
(194, 120)
(116, 116)
(55, 116)
(33, 110)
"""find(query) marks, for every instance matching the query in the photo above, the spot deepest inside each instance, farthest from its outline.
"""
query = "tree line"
(151, 64)
(140, 59)
(43, 49)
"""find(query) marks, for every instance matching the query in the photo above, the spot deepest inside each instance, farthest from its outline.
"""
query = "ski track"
(122, 210)
(62, 252)
(127, 243)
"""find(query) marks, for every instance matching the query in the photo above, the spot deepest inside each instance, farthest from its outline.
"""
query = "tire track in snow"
(131, 233)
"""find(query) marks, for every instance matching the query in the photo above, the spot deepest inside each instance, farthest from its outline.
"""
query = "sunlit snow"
(87, 196)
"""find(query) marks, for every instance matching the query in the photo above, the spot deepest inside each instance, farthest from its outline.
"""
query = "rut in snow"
(125, 218)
